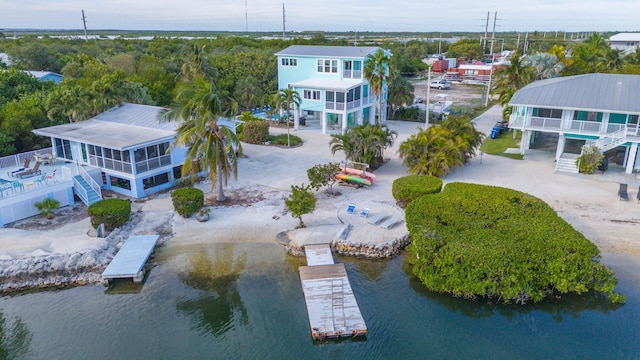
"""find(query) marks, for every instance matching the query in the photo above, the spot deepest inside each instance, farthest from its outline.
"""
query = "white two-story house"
(593, 109)
(331, 84)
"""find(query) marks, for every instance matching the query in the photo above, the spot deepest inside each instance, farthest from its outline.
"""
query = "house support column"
(359, 117)
(372, 114)
(560, 148)
(296, 119)
(631, 158)
(324, 122)
(345, 118)
(525, 142)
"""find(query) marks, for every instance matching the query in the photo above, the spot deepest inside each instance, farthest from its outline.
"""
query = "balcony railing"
(559, 125)
(18, 159)
(352, 74)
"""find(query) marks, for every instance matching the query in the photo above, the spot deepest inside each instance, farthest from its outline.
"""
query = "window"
(152, 157)
(550, 113)
(311, 94)
(328, 66)
(155, 180)
(289, 62)
(63, 149)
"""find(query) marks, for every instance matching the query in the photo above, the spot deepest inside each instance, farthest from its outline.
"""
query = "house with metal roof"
(331, 84)
(124, 149)
(45, 76)
(592, 109)
(626, 42)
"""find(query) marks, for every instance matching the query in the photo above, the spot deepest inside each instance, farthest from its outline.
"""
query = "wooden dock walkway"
(331, 305)
(130, 259)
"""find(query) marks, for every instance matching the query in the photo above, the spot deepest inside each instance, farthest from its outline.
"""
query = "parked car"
(440, 84)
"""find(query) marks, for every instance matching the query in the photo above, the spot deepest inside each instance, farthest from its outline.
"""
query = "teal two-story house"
(593, 109)
(331, 84)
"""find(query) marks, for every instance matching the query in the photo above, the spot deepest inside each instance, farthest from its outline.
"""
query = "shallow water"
(244, 301)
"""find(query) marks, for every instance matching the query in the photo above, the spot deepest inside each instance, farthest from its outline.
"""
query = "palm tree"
(511, 78)
(546, 65)
(376, 71)
(289, 100)
(364, 144)
(210, 147)
(400, 93)
(69, 101)
(432, 152)
(464, 134)
(248, 93)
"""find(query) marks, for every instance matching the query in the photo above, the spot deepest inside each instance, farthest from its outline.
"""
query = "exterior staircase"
(85, 191)
(610, 141)
(567, 163)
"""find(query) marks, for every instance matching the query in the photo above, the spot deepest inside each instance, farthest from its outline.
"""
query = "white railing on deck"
(18, 159)
(573, 126)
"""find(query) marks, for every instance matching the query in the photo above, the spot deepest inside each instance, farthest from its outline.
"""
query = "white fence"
(18, 159)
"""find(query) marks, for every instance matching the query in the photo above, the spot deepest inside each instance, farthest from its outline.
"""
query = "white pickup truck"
(440, 84)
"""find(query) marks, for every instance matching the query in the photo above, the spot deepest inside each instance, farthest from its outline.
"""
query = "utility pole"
(525, 46)
(440, 45)
(426, 124)
(486, 28)
(518, 43)
(493, 39)
(283, 21)
(246, 17)
(84, 22)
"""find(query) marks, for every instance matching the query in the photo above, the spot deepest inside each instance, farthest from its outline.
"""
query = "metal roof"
(328, 51)
(590, 92)
(122, 127)
(625, 37)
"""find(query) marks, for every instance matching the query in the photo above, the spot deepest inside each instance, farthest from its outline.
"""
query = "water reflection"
(570, 305)
(15, 338)
(215, 272)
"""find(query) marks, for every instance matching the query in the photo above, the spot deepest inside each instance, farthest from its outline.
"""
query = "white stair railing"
(94, 185)
(610, 141)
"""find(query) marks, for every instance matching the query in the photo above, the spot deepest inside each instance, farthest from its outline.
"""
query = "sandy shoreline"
(589, 203)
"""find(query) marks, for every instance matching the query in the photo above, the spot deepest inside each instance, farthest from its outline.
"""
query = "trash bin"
(494, 132)
(303, 121)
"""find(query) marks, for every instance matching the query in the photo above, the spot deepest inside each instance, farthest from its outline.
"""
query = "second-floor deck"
(578, 127)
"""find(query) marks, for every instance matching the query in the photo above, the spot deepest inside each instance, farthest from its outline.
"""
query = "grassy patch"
(501, 143)
(282, 140)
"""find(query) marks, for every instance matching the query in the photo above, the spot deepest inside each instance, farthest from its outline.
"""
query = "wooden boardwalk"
(331, 305)
(129, 261)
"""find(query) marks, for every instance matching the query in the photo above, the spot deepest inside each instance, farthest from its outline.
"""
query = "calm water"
(242, 301)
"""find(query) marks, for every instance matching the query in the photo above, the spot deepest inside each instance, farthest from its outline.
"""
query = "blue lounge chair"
(375, 219)
(390, 222)
(351, 209)
(365, 212)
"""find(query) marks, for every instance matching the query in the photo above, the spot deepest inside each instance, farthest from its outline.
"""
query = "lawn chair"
(23, 168)
(365, 212)
(375, 219)
(392, 221)
(30, 172)
(622, 192)
(351, 209)
(51, 177)
(41, 180)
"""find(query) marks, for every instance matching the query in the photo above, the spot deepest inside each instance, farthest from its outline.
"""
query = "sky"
(326, 15)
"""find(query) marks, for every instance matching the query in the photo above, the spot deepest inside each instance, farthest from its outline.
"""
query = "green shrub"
(485, 241)
(112, 213)
(409, 188)
(589, 160)
(187, 201)
(282, 139)
(46, 207)
(256, 132)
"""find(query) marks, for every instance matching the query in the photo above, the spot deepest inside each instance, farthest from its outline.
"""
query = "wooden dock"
(129, 261)
(331, 305)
